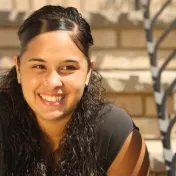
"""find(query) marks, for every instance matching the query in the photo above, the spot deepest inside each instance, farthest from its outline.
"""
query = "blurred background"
(120, 56)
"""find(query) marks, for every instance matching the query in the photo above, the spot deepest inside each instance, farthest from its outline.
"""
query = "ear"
(90, 71)
(15, 60)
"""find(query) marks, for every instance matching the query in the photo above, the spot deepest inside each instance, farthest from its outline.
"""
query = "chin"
(53, 117)
(50, 119)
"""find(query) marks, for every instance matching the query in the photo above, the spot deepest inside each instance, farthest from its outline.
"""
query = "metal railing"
(166, 123)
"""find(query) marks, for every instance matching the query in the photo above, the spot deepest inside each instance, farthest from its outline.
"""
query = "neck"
(53, 130)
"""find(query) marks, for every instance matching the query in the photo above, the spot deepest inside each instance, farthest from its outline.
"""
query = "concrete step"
(156, 155)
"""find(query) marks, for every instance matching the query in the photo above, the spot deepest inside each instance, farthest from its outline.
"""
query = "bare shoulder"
(132, 159)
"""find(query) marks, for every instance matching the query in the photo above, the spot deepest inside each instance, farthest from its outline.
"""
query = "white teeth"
(51, 98)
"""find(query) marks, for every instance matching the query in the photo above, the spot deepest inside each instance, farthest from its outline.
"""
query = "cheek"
(77, 81)
(75, 84)
(30, 83)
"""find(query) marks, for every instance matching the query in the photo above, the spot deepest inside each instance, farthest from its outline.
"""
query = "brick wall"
(121, 58)
(124, 64)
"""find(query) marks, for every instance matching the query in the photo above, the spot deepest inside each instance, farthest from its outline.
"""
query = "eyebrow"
(36, 59)
(42, 60)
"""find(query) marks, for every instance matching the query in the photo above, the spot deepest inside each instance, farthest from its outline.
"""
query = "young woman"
(53, 119)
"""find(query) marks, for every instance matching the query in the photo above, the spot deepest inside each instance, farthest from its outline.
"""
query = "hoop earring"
(19, 82)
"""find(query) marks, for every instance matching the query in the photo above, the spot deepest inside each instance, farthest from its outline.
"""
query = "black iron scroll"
(165, 123)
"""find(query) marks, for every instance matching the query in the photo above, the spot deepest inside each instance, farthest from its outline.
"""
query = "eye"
(68, 67)
(39, 67)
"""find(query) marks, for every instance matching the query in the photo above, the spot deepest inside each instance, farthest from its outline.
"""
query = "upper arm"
(132, 159)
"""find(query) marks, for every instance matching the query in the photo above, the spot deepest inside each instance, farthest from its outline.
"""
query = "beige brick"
(56, 2)
(173, 134)
(131, 103)
(174, 99)
(74, 3)
(105, 38)
(149, 127)
(133, 38)
(8, 52)
(91, 6)
(5, 5)
(128, 59)
(150, 107)
(22, 5)
(39, 4)
(169, 41)
(100, 5)
(8, 38)
(67, 3)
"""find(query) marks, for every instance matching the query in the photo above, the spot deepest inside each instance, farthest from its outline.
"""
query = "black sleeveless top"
(112, 130)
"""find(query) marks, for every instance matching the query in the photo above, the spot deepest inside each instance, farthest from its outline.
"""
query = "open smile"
(51, 100)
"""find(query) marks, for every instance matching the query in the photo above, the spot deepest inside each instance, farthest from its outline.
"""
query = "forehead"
(54, 42)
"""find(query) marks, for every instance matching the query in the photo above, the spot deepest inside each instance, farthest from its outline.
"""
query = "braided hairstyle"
(77, 154)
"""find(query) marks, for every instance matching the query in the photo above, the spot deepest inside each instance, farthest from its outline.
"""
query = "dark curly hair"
(77, 154)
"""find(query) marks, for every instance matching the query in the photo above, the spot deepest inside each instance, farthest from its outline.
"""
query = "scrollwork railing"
(165, 123)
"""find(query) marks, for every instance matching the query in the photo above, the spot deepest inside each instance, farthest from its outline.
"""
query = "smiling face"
(53, 73)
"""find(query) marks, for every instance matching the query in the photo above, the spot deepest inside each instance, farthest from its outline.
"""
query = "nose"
(53, 80)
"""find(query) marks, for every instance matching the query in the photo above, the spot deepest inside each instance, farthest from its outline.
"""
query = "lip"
(49, 94)
(54, 104)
